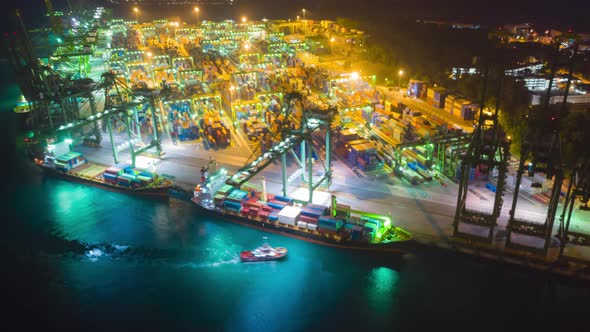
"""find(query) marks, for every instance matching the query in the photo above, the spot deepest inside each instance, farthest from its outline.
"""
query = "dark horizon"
(542, 13)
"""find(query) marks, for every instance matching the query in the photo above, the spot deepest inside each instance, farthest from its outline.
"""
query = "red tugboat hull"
(248, 256)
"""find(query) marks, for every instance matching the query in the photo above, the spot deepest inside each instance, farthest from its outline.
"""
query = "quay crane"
(488, 147)
(313, 118)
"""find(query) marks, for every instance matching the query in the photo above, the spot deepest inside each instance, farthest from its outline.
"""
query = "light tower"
(196, 10)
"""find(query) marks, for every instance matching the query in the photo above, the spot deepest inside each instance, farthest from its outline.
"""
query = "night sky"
(560, 14)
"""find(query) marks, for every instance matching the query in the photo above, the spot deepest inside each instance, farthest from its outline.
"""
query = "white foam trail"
(208, 265)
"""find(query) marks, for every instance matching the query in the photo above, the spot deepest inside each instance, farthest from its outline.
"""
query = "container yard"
(174, 96)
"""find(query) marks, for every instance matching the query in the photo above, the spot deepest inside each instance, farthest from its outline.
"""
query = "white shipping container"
(312, 227)
(289, 215)
(287, 220)
(290, 212)
(302, 224)
(540, 177)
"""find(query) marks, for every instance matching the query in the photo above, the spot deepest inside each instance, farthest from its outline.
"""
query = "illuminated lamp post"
(303, 11)
(244, 20)
(331, 43)
(196, 10)
(399, 80)
(231, 93)
(136, 11)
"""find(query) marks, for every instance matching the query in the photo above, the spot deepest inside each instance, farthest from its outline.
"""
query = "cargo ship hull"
(160, 192)
(400, 247)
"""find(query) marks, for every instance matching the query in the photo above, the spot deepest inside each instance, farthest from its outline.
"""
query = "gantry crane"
(542, 144)
(488, 147)
(313, 118)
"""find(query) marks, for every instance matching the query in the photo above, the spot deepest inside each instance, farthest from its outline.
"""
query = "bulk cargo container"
(253, 205)
(131, 177)
(301, 224)
(326, 230)
(322, 209)
(312, 227)
(225, 190)
(289, 215)
(284, 199)
(277, 205)
(113, 171)
(263, 214)
(308, 219)
(274, 216)
(233, 206)
(128, 170)
(310, 213)
(237, 196)
(330, 223)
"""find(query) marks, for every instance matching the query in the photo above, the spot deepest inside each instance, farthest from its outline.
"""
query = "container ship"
(73, 166)
(335, 224)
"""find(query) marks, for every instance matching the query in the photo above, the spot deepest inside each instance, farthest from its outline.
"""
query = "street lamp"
(303, 10)
(231, 92)
(196, 10)
(331, 43)
(399, 81)
(136, 11)
(244, 19)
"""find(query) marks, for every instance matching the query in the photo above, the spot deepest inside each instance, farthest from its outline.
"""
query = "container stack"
(225, 190)
(342, 211)
(237, 196)
(289, 215)
(273, 216)
(277, 205)
(254, 208)
(329, 225)
(363, 154)
(302, 224)
(215, 130)
(265, 212)
(218, 200)
(125, 180)
(69, 161)
(356, 232)
(370, 228)
(110, 174)
(418, 89)
(310, 215)
(232, 206)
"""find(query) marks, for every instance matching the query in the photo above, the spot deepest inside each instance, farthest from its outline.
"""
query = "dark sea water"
(81, 258)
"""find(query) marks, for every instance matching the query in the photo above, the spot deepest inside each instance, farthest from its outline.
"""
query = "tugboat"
(263, 253)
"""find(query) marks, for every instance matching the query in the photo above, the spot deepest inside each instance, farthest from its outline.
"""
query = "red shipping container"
(266, 208)
(308, 219)
(253, 204)
(245, 211)
(326, 231)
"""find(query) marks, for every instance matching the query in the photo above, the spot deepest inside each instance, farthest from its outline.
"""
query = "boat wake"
(209, 264)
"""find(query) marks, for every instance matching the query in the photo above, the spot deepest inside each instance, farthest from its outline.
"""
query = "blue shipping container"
(491, 187)
(283, 199)
(275, 205)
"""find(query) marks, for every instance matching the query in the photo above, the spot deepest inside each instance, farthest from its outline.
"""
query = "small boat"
(263, 253)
